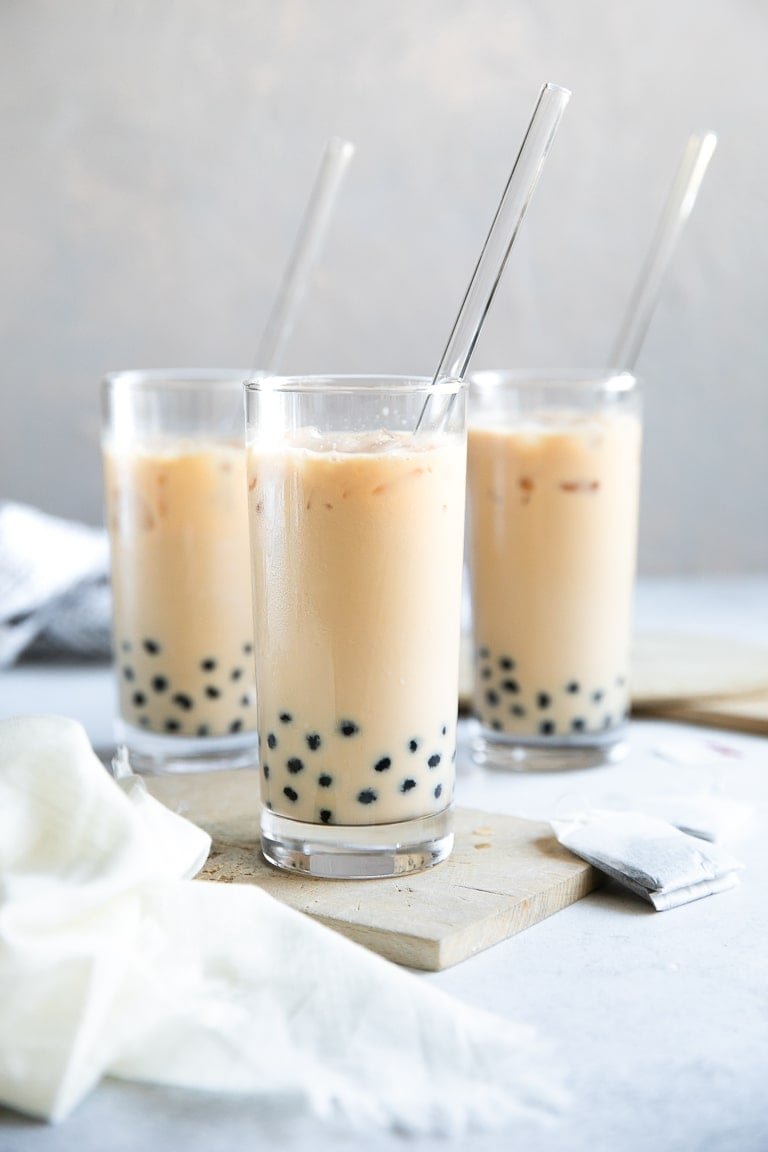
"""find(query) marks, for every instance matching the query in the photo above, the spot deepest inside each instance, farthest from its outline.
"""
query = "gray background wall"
(156, 158)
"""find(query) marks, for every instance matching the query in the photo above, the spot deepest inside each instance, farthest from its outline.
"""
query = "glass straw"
(517, 196)
(314, 226)
(680, 201)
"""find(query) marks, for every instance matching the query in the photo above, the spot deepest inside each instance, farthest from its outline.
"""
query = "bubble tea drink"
(356, 536)
(553, 490)
(176, 503)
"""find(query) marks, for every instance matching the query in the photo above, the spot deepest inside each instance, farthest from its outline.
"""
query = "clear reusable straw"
(306, 250)
(517, 196)
(680, 201)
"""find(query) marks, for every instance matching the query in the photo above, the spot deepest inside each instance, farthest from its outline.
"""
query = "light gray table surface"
(659, 1019)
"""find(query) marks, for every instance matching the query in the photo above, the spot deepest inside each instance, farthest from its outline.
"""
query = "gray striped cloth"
(55, 598)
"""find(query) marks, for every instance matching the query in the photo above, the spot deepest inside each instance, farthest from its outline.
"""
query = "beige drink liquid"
(178, 522)
(356, 609)
(553, 525)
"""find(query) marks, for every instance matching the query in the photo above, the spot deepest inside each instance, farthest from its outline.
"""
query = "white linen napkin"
(121, 965)
(54, 586)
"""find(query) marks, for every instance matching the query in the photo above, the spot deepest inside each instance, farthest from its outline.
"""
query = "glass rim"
(615, 382)
(353, 383)
(136, 379)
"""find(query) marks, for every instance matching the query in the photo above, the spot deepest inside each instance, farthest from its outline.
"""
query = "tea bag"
(652, 858)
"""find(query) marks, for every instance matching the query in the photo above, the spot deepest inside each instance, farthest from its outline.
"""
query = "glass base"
(151, 754)
(518, 754)
(356, 852)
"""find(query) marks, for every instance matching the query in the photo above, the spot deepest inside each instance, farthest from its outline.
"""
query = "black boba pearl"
(434, 760)
(265, 770)
(172, 725)
(202, 730)
(181, 700)
(245, 701)
(572, 686)
(236, 673)
(291, 793)
(144, 721)
(212, 692)
(486, 673)
(413, 745)
(517, 710)
(510, 686)
(313, 741)
(438, 791)
(325, 780)
(271, 740)
(546, 728)
(235, 726)
(578, 724)
(159, 683)
(608, 722)
(295, 765)
(247, 647)
(151, 646)
(285, 717)
(444, 730)
(383, 764)
(597, 696)
(497, 725)
(208, 664)
(325, 815)
(506, 663)
(543, 700)
(407, 785)
(453, 756)
(348, 728)
(367, 796)
(129, 673)
(126, 645)
(139, 698)
(483, 653)
(269, 805)
(492, 698)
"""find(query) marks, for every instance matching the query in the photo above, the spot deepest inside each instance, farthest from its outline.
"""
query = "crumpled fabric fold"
(120, 964)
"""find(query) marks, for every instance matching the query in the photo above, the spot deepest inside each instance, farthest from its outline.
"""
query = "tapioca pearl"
(144, 721)
(325, 780)
(434, 760)
(246, 701)
(518, 711)
(572, 686)
(486, 673)
(236, 726)
(268, 805)
(578, 724)
(497, 725)
(453, 756)
(247, 647)
(172, 725)
(413, 745)
(492, 698)
(128, 673)
(348, 728)
(265, 770)
(597, 696)
(407, 785)
(291, 793)
(159, 684)
(212, 692)
(483, 653)
(608, 721)
(314, 741)
(437, 791)
(510, 686)
(151, 647)
(367, 796)
(444, 730)
(183, 701)
(203, 730)
(236, 674)
(547, 728)
(506, 663)
(125, 645)
(208, 665)
(271, 740)
(139, 699)
(383, 764)
(326, 815)
(285, 718)
(543, 700)
(294, 765)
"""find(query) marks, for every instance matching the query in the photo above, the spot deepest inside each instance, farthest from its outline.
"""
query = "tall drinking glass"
(356, 546)
(176, 504)
(553, 490)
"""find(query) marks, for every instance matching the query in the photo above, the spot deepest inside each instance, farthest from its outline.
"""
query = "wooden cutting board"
(505, 874)
(737, 713)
